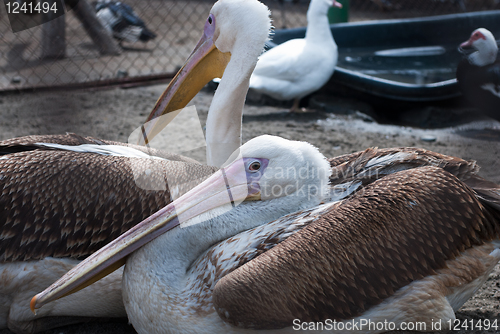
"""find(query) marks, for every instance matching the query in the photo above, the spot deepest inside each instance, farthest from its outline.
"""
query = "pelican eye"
(254, 166)
(209, 20)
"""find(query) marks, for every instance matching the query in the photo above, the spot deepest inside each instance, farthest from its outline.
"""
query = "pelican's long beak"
(230, 185)
(205, 63)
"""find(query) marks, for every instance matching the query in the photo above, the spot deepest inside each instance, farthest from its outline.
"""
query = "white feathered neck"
(318, 27)
(243, 27)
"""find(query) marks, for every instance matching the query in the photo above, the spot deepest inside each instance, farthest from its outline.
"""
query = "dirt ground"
(113, 114)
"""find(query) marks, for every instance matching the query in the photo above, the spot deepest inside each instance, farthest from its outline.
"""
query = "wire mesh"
(178, 25)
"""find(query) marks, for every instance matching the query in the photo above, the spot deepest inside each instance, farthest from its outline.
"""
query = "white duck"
(478, 74)
(300, 66)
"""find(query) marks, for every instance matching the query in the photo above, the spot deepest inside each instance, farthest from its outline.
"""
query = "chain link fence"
(177, 26)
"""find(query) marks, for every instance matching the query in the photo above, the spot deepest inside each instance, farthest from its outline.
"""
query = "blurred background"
(30, 58)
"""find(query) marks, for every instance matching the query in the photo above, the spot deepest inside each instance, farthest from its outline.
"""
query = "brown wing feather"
(489, 192)
(28, 143)
(355, 166)
(67, 139)
(398, 229)
(67, 204)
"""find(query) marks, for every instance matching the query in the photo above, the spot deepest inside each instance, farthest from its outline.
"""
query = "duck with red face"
(478, 74)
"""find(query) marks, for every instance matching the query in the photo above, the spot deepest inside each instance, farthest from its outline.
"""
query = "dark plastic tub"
(408, 60)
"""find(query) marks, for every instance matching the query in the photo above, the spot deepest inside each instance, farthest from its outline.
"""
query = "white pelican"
(299, 67)
(412, 247)
(233, 37)
(478, 74)
(61, 203)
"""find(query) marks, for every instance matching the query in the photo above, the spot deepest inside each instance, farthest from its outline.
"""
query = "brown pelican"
(413, 246)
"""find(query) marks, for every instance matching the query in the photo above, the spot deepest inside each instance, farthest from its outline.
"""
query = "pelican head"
(270, 177)
(483, 45)
(233, 38)
(239, 25)
(293, 168)
(320, 7)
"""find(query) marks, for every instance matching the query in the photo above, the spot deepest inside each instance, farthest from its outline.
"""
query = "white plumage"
(299, 67)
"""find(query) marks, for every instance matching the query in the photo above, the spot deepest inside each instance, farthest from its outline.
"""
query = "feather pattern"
(232, 253)
(34, 198)
(61, 203)
(415, 235)
(30, 143)
(360, 253)
(351, 172)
